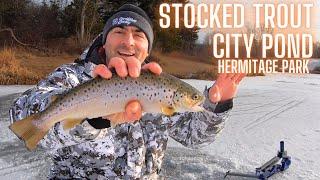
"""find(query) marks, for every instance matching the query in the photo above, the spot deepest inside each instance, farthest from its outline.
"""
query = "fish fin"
(27, 131)
(116, 116)
(112, 125)
(54, 98)
(168, 110)
(70, 123)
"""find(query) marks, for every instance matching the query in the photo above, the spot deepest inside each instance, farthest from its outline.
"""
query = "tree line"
(34, 23)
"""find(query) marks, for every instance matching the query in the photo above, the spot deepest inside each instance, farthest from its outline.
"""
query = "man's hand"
(131, 67)
(225, 87)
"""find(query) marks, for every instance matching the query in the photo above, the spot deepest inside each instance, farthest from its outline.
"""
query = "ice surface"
(267, 110)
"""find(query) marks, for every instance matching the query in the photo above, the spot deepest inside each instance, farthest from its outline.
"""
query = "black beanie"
(130, 15)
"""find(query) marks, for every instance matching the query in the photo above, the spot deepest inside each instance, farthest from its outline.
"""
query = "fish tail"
(26, 130)
(113, 124)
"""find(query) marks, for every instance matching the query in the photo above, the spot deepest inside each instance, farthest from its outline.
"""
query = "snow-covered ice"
(267, 110)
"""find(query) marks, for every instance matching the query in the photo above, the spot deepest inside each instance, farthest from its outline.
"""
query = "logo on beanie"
(123, 20)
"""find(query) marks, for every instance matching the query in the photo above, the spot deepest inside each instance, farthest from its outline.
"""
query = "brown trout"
(100, 97)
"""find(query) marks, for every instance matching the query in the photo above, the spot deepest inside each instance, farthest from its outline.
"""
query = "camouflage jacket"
(127, 151)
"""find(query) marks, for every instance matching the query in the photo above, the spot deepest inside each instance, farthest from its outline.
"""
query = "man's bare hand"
(123, 68)
(133, 112)
(225, 87)
(131, 67)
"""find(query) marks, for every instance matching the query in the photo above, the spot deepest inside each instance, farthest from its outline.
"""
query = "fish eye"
(195, 97)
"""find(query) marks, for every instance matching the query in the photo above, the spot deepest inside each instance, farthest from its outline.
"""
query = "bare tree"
(83, 16)
(21, 43)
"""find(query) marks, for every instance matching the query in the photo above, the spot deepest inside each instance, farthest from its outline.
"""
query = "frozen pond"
(268, 109)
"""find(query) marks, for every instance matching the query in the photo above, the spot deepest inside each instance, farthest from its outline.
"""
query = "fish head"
(188, 98)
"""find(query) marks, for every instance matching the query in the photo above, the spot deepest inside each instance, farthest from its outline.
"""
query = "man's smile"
(126, 53)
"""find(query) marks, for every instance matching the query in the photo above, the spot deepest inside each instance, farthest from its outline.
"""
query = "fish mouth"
(198, 106)
(126, 53)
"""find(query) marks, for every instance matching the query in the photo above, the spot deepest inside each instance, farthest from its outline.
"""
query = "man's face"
(126, 42)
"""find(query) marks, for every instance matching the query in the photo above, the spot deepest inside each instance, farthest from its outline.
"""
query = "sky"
(315, 17)
(315, 25)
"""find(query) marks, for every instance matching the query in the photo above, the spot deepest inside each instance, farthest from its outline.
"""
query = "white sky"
(315, 26)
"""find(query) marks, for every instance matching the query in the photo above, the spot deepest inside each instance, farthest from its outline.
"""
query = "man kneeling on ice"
(135, 147)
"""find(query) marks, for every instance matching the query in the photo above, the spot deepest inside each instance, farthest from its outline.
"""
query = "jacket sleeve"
(38, 99)
(196, 129)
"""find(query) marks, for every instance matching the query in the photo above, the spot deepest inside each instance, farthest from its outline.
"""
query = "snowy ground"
(268, 109)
